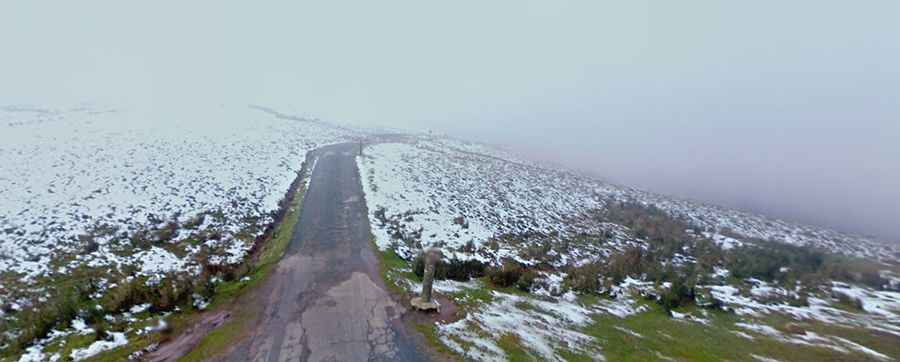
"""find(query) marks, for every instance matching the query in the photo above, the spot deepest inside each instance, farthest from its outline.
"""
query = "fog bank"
(787, 108)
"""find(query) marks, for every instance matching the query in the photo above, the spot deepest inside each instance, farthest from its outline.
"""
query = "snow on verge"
(543, 327)
(115, 340)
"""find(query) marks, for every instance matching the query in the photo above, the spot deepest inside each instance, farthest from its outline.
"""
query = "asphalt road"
(326, 300)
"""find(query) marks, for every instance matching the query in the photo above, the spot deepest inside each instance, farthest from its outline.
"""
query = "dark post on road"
(424, 301)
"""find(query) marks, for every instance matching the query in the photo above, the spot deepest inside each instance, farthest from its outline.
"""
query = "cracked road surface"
(326, 300)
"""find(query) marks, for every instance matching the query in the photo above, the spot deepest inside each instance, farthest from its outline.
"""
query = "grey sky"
(786, 107)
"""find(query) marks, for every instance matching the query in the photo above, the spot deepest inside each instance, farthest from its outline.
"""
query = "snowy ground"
(439, 196)
(441, 193)
(544, 326)
(126, 190)
(119, 189)
(467, 199)
(547, 326)
(755, 226)
(141, 323)
(73, 175)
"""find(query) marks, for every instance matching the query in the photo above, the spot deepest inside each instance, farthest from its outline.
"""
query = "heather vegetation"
(454, 269)
(87, 294)
(552, 268)
(676, 255)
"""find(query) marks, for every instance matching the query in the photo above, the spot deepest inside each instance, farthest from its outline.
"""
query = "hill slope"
(113, 222)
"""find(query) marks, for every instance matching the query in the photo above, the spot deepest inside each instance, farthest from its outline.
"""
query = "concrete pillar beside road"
(425, 301)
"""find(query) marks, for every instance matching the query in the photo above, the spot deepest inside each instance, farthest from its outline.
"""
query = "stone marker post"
(431, 258)
(424, 301)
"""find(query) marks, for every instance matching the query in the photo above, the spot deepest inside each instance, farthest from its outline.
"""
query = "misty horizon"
(792, 113)
(507, 180)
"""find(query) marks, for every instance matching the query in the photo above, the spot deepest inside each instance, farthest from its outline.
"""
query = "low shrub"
(633, 262)
(776, 261)
(537, 250)
(769, 260)
(679, 294)
(170, 293)
(849, 300)
(585, 278)
(854, 271)
(506, 275)
(705, 299)
(801, 300)
(526, 280)
(454, 269)
(126, 295)
(665, 233)
(37, 323)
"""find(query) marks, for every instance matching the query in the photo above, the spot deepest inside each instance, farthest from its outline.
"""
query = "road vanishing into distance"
(326, 300)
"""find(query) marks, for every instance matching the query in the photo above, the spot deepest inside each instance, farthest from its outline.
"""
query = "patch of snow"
(138, 309)
(760, 328)
(719, 272)
(33, 353)
(158, 262)
(808, 338)
(483, 349)
(81, 327)
(622, 306)
(885, 303)
(628, 331)
(200, 303)
(689, 317)
(543, 328)
(116, 340)
(160, 326)
(865, 350)
(725, 242)
(763, 359)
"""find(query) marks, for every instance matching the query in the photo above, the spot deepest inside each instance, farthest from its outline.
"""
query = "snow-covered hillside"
(454, 198)
(555, 225)
(457, 196)
(80, 185)
(135, 196)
